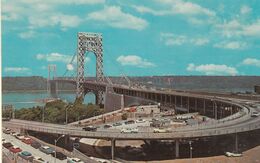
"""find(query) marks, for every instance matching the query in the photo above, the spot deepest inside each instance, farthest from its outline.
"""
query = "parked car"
(7, 144)
(90, 128)
(160, 130)
(74, 160)
(20, 137)
(7, 131)
(26, 155)
(129, 130)
(140, 120)
(107, 126)
(230, 154)
(117, 124)
(39, 160)
(46, 149)
(15, 149)
(255, 114)
(35, 144)
(27, 140)
(129, 122)
(59, 155)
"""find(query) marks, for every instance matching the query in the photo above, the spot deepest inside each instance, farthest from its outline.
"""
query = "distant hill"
(29, 84)
(211, 83)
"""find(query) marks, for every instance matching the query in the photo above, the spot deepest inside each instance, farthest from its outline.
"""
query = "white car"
(38, 160)
(255, 114)
(140, 120)
(160, 130)
(129, 130)
(74, 160)
(230, 154)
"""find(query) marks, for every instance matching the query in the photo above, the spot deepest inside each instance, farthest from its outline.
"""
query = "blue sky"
(140, 37)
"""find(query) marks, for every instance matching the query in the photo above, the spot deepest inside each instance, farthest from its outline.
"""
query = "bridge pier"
(177, 143)
(113, 144)
(236, 143)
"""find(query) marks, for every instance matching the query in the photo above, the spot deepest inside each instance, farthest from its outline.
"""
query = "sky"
(140, 37)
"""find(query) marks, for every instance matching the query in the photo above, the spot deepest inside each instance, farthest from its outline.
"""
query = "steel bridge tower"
(89, 42)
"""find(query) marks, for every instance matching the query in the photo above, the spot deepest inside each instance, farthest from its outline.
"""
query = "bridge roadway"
(241, 124)
(124, 89)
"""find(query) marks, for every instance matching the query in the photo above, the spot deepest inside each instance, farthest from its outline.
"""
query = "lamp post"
(43, 109)
(190, 149)
(56, 140)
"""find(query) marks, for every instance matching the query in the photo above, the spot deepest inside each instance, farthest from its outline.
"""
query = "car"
(140, 120)
(7, 131)
(59, 155)
(90, 128)
(107, 126)
(38, 160)
(129, 130)
(117, 124)
(35, 144)
(26, 155)
(20, 137)
(27, 140)
(7, 144)
(74, 160)
(46, 149)
(160, 130)
(255, 114)
(230, 154)
(15, 149)
(129, 122)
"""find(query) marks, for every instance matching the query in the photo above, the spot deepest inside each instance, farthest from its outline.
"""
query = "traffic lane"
(33, 151)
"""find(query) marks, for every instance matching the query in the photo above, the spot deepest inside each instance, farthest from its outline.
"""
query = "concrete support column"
(236, 142)
(204, 106)
(177, 143)
(113, 144)
(188, 104)
(67, 139)
(196, 104)
(181, 101)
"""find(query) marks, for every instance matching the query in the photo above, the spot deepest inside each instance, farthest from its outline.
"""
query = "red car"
(27, 140)
(15, 149)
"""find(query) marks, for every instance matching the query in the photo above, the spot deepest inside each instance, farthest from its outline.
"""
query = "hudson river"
(29, 99)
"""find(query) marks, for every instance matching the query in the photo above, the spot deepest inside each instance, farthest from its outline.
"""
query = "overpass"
(240, 121)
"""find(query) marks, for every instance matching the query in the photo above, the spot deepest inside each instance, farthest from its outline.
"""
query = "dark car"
(7, 145)
(107, 126)
(35, 144)
(129, 122)
(90, 128)
(59, 155)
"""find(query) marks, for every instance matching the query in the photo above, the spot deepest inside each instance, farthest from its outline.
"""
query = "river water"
(29, 99)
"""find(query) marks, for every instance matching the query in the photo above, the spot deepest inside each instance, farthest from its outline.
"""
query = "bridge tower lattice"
(90, 42)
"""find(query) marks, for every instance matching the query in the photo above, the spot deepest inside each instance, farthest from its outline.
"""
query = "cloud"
(245, 9)
(70, 67)
(252, 62)
(27, 34)
(235, 28)
(213, 69)
(133, 60)
(17, 69)
(177, 7)
(62, 20)
(233, 45)
(171, 39)
(57, 57)
(113, 16)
